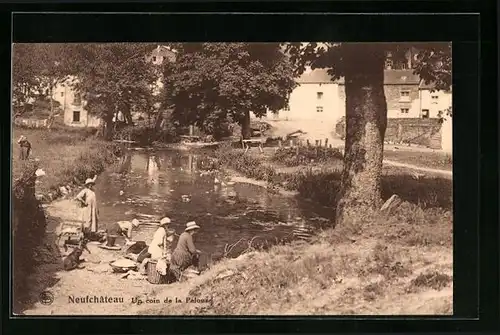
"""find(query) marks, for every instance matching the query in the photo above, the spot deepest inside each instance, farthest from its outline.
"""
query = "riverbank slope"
(67, 157)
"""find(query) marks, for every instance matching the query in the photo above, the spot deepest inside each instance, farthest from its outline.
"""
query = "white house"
(433, 103)
(315, 98)
(73, 106)
(76, 115)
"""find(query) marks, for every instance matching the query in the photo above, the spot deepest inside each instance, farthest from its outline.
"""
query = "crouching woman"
(120, 228)
(185, 254)
(160, 245)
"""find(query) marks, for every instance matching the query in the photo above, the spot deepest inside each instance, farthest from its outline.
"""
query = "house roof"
(315, 76)
(396, 77)
(391, 77)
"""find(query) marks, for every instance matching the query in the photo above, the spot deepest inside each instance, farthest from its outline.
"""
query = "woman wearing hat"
(185, 254)
(123, 228)
(160, 245)
(88, 201)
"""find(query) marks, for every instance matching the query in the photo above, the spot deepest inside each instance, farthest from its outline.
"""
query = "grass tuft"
(434, 280)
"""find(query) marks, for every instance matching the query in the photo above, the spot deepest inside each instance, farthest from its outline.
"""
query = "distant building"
(401, 88)
(315, 97)
(434, 104)
(73, 106)
(160, 54)
(74, 112)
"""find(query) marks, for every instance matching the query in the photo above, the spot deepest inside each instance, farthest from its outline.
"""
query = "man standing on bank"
(185, 254)
(25, 147)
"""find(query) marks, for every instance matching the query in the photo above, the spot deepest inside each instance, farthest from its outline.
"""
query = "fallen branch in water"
(229, 247)
(250, 247)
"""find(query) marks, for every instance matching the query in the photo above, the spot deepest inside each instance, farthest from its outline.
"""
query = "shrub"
(305, 155)
(91, 162)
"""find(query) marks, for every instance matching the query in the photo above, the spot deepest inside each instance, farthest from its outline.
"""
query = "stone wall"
(422, 132)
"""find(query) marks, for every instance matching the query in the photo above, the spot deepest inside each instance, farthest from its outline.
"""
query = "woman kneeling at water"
(160, 245)
(185, 254)
(120, 228)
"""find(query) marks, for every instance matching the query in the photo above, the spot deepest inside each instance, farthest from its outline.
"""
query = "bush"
(90, 162)
(306, 155)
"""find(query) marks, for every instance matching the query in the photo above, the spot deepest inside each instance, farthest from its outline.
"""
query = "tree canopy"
(213, 83)
(36, 70)
(113, 77)
(110, 77)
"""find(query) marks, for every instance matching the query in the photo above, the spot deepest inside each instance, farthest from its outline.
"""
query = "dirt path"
(446, 173)
(96, 280)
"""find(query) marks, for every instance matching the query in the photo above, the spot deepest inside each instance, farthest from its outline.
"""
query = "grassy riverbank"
(68, 157)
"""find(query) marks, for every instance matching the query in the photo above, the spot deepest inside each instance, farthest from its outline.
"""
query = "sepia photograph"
(232, 178)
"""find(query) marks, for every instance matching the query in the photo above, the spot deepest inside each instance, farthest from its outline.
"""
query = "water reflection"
(156, 184)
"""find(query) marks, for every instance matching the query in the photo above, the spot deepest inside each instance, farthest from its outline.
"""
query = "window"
(76, 116)
(425, 113)
(405, 95)
(77, 100)
(405, 110)
(319, 95)
(434, 99)
(319, 109)
(154, 59)
(388, 64)
(62, 94)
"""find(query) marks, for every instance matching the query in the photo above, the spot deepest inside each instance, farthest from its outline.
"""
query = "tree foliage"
(211, 84)
(36, 70)
(113, 77)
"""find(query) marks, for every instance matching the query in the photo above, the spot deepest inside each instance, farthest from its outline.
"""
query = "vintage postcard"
(232, 178)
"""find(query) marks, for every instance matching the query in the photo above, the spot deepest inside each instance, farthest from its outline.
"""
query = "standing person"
(25, 147)
(120, 228)
(160, 245)
(185, 254)
(88, 201)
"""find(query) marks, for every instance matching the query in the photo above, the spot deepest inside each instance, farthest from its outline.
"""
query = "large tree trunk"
(366, 122)
(108, 126)
(246, 131)
(50, 120)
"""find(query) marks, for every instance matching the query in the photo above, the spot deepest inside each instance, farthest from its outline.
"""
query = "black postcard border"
(473, 180)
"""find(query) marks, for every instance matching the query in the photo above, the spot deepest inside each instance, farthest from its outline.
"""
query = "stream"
(231, 215)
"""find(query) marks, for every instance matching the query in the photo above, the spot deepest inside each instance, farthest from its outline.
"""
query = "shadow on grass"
(323, 187)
